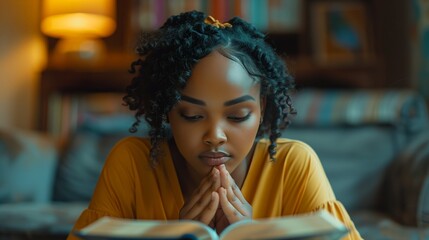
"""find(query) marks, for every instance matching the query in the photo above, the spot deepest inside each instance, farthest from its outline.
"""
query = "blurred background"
(353, 44)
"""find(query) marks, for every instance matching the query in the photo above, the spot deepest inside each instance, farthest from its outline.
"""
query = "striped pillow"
(355, 107)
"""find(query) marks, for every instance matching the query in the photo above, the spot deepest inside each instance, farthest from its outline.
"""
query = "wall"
(22, 57)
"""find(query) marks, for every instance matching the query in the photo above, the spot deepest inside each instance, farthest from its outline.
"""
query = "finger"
(205, 184)
(230, 184)
(208, 183)
(236, 202)
(233, 192)
(201, 197)
(237, 192)
(209, 212)
(231, 213)
(225, 177)
(227, 182)
(194, 211)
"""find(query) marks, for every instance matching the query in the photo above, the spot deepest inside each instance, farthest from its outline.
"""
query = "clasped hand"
(217, 194)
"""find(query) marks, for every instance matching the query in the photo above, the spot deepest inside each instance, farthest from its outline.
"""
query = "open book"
(317, 225)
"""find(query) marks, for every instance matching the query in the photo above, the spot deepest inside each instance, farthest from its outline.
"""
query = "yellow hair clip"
(214, 22)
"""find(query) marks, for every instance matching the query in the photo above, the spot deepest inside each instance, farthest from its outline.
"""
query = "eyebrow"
(226, 104)
(239, 100)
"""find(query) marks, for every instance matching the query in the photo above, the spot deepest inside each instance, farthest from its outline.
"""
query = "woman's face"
(217, 119)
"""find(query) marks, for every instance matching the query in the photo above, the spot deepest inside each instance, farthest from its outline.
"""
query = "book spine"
(144, 15)
(218, 9)
(159, 8)
(54, 115)
(205, 6)
(284, 15)
(258, 13)
(237, 6)
(244, 8)
(193, 5)
(263, 14)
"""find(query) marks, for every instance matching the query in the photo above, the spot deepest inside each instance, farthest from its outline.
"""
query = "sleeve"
(114, 192)
(306, 179)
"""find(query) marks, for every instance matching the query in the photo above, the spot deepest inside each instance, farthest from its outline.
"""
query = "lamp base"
(79, 53)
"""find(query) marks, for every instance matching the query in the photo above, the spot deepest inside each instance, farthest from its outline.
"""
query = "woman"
(210, 91)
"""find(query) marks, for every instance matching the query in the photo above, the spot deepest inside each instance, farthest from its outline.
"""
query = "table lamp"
(79, 25)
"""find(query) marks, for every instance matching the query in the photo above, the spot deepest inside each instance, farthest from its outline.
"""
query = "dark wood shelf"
(310, 73)
(63, 82)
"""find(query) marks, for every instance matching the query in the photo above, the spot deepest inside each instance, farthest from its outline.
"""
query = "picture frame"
(340, 32)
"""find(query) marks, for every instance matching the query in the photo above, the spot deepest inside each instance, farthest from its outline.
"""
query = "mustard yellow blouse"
(129, 187)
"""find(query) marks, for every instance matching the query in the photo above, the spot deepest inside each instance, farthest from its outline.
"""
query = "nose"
(215, 136)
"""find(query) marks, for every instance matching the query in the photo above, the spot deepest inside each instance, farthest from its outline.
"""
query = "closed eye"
(239, 119)
(191, 118)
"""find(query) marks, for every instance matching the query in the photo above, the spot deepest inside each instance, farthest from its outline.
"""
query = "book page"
(146, 229)
(318, 225)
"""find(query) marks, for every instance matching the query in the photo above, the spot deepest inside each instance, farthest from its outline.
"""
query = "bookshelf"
(298, 39)
(302, 32)
(60, 88)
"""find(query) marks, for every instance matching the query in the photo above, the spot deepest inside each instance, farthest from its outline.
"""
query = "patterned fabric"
(356, 107)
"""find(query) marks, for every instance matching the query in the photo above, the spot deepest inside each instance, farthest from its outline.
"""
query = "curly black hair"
(168, 55)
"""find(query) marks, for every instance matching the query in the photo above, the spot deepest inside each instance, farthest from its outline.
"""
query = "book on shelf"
(268, 15)
(317, 225)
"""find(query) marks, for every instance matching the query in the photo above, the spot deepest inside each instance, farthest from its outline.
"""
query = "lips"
(214, 158)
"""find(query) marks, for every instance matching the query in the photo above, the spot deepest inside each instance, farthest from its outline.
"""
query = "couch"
(373, 144)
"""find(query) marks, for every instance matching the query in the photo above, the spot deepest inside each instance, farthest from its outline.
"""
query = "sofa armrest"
(407, 184)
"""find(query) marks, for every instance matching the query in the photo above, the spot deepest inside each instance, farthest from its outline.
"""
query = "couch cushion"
(85, 152)
(28, 162)
(81, 164)
(354, 159)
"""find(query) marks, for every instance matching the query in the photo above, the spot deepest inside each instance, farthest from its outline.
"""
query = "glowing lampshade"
(78, 18)
(79, 25)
